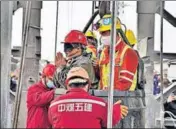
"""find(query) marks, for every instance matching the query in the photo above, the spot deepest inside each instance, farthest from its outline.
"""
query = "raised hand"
(60, 60)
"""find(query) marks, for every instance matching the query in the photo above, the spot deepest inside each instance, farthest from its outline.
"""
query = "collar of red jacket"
(119, 45)
(76, 90)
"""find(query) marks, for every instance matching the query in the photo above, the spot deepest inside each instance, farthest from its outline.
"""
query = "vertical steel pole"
(23, 54)
(161, 63)
(6, 13)
(93, 6)
(57, 13)
(112, 64)
(145, 28)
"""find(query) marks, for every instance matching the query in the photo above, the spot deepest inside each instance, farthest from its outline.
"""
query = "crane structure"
(31, 55)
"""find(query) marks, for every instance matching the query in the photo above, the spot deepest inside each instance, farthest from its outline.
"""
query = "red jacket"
(78, 109)
(38, 101)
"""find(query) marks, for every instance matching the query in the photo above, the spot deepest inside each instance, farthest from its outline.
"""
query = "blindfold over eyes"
(70, 47)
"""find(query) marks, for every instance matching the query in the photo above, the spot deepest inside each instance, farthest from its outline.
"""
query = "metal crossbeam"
(167, 92)
(104, 93)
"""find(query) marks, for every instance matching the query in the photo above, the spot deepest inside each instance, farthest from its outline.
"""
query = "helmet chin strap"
(44, 81)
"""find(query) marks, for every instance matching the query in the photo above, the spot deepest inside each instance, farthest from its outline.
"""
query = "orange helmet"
(77, 72)
(76, 36)
(49, 70)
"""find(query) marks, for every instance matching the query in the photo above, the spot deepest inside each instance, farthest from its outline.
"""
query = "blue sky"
(75, 14)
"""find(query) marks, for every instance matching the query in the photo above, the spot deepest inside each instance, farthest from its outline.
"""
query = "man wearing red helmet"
(75, 49)
(39, 97)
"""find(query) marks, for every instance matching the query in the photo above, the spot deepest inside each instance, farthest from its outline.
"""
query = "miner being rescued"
(78, 109)
(75, 49)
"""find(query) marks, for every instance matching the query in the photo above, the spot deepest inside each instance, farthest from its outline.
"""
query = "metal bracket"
(16, 6)
(31, 80)
(35, 27)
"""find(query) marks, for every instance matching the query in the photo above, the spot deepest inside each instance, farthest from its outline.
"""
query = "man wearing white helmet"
(78, 109)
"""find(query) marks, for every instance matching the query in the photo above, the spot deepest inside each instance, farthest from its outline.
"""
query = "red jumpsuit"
(78, 109)
(38, 101)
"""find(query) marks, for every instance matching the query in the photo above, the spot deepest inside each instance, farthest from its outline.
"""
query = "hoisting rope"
(68, 21)
(23, 55)
(161, 64)
(71, 15)
(93, 6)
(56, 31)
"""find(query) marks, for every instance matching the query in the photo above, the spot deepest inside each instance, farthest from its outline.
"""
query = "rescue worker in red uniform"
(39, 97)
(78, 109)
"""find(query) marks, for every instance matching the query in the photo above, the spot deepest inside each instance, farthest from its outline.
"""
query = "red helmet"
(76, 36)
(49, 70)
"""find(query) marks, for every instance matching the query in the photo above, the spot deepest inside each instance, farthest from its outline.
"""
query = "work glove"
(105, 88)
(123, 109)
(60, 60)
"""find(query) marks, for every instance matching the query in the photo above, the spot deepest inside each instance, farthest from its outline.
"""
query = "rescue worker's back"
(78, 109)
